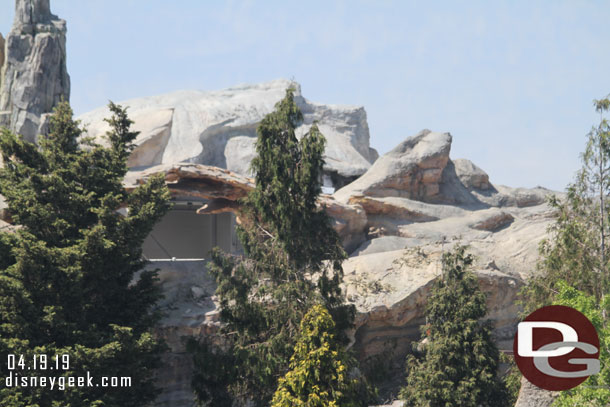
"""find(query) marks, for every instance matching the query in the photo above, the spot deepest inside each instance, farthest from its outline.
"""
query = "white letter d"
(526, 338)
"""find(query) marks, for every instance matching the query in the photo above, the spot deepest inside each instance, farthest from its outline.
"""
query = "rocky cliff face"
(1, 55)
(397, 219)
(219, 128)
(34, 77)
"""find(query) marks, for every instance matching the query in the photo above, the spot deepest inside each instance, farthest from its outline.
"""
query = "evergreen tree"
(459, 366)
(577, 250)
(319, 373)
(67, 272)
(292, 261)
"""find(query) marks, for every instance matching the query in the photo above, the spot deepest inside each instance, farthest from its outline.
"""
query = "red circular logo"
(556, 348)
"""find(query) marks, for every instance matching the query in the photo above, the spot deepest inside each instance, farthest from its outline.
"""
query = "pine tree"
(319, 373)
(67, 273)
(292, 261)
(459, 366)
(577, 250)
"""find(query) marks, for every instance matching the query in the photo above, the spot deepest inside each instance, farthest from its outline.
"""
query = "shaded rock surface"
(34, 76)
(1, 55)
(195, 181)
(189, 311)
(385, 244)
(533, 396)
(470, 175)
(219, 128)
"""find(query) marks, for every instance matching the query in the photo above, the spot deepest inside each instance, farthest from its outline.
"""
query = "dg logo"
(556, 348)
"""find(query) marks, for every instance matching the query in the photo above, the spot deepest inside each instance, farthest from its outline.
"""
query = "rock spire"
(34, 76)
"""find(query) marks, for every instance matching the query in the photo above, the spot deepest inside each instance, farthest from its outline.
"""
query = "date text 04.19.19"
(38, 362)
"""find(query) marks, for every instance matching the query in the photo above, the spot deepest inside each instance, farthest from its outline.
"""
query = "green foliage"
(577, 249)
(460, 360)
(66, 273)
(319, 373)
(574, 266)
(511, 378)
(595, 391)
(293, 261)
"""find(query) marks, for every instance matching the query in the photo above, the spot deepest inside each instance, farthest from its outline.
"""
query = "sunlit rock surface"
(34, 78)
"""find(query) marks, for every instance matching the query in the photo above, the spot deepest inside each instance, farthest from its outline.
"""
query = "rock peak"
(32, 12)
(34, 77)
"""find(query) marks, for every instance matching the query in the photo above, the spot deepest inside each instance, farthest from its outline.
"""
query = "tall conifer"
(67, 273)
(292, 261)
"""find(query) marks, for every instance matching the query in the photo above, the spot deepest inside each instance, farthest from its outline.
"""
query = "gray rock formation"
(390, 290)
(471, 175)
(397, 244)
(219, 128)
(239, 152)
(34, 77)
(532, 396)
(189, 311)
(397, 217)
(385, 244)
(412, 170)
(419, 169)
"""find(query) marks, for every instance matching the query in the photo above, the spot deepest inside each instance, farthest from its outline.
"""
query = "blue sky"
(513, 81)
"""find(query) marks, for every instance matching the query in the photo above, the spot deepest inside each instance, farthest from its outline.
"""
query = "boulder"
(470, 175)
(34, 77)
(523, 197)
(411, 170)
(419, 169)
(219, 128)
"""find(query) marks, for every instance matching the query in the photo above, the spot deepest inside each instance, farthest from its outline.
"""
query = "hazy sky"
(512, 81)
